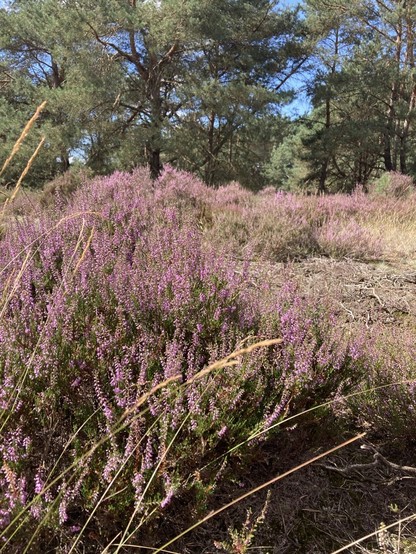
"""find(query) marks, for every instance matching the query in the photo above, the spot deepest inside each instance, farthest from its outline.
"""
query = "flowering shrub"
(348, 238)
(279, 226)
(387, 404)
(393, 184)
(104, 299)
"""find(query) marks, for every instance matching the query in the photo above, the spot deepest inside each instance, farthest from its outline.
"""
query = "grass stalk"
(125, 535)
(347, 547)
(259, 488)
(23, 135)
(25, 373)
(108, 488)
(286, 420)
(24, 173)
(123, 422)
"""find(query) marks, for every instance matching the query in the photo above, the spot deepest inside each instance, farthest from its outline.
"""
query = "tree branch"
(130, 57)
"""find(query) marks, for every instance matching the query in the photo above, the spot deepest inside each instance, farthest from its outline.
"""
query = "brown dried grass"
(23, 135)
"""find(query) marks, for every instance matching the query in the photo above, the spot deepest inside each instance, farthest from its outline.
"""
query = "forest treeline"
(212, 87)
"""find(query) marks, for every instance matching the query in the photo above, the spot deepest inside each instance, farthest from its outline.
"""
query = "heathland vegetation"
(124, 418)
(188, 365)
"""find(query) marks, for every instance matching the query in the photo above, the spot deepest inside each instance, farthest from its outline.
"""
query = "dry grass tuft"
(23, 135)
(24, 173)
(399, 236)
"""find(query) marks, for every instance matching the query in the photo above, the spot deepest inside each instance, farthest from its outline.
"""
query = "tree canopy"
(206, 85)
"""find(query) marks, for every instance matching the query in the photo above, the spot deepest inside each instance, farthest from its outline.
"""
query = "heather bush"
(387, 403)
(105, 298)
(60, 189)
(280, 226)
(263, 235)
(393, 184)
(347, 238)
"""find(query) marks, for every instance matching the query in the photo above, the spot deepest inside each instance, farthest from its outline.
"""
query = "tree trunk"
(388, 162)
(403, 155)
(390, 138)
(65, 163)
(324, 168)
(154, 144)
(322, 178)
(410, 62)
(154, 162)
(210, 165)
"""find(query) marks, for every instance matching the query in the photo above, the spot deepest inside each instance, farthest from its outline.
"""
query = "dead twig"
(378, 459)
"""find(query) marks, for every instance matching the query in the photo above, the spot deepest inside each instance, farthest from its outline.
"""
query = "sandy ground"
(362, 293)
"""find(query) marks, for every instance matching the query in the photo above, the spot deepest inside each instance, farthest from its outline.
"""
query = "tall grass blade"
(261, 487)
(375, 533)
(24, 173)
(23, 135)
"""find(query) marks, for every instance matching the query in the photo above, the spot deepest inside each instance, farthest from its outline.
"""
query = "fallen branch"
(378, 459)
